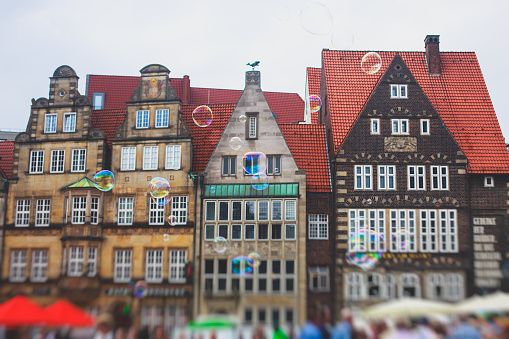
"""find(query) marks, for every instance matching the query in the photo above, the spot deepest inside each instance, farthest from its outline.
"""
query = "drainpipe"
(197, 180)
(6, 189)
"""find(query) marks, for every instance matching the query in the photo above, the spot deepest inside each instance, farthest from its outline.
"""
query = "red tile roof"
(459, 95)
(308, 146)
(289, 107)
(313, 79)
(6, 156)
(108, 120)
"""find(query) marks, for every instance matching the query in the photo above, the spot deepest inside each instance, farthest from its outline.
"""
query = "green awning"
(248, 191)
(83, 183)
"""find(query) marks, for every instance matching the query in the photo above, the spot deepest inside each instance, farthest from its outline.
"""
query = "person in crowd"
(422, 330)
(311, 330)
(325, 319)
(120, 333)
(132, 333)
(344, 330)
(104, 329)
(464, 329)
(159, 332)
(259, 333)
(401, 330)
(278, 332)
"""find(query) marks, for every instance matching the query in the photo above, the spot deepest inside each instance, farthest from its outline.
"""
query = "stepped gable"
(459, 95)
(308, 145)
(6, 156)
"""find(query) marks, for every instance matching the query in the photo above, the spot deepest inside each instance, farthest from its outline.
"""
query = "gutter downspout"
(3, 229)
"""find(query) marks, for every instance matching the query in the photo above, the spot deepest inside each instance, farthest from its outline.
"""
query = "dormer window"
(142, 119)
(399, 92)
(489, 182)
(98, 100)
(70, 122)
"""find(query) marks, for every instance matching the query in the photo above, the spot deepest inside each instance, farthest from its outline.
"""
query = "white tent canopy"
(408, 307)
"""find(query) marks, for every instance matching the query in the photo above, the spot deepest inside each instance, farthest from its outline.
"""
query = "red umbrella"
(20, 311)
(64, 313)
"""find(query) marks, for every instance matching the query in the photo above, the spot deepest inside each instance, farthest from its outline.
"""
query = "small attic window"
(98, 100)
(489, 182)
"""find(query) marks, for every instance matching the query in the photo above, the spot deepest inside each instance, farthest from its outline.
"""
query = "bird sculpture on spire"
(254, 64)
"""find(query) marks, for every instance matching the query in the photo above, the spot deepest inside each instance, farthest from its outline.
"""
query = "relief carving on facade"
(400, 144)
(153, 88)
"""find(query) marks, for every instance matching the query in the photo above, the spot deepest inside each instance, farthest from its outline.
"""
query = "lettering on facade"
(487, 259)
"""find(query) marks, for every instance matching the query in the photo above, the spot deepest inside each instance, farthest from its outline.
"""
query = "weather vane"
(254, 64)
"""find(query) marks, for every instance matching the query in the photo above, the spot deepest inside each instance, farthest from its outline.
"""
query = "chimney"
(186, 89)
(433, 54)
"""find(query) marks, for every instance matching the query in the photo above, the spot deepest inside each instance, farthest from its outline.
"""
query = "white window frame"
(91, 261)
(272, 167)
(22, 212)
(142, 119)
(377, 280)
(489, 181)
(236, 203)
(439, 178)
(273, 214)
(156, 213)
(213, 233)
(318, 226)
(94, 210)
(229, 166)
(425, 127)
(287, 237)
(36, 162)
(231, 232)
(322, 278)
(79, 210)
(69, 126)
(207, 217)
(179, 208)
(150, 158)
(39, 269)
(401, 92)
(252, 203)
(263, 205)
(50, 125)
(57, 161)
(403, 220)
(252, 127)
(223, 230)
(390, 286)
(177, 263)
(385, 176)
(125, 210)
(290, 210)
(154, 266)
(42, 212)
(436, 280)
(354, 286)
(79, 160)
(162, 118)
(417, 177)
(246, 238)
(122, 270)
(397, 126)
(18, 266)
(429, 231)
(375, 126)
(454, 287)
(448, 231)
(173, 156)
(95, 104)
(364, 173)
(128, 159)
(406, 280)
(360, 220)
(289, 276)
(75, 262)
(280, 229)
(376, 223)
(220, 210)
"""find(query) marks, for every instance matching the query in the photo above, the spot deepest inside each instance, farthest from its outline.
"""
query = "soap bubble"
(166, 237)
(172, 220)
(202, 116)
(159, 187)
(242, 118)
(316, 19)
(235, 143)
(140, 289)
(212, 189)
(315, 103)
(260, 181)
(254, 162)
(366, 249)
(402, 240)
(255, 258)
(242, 265)
(104, 180)
(365, 260)
(371, 63)
(220, 244)
(161, 201)
(342, 39)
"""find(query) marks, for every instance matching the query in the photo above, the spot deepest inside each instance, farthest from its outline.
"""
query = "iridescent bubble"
(342, 39)
(402, 240)
(242, 265)
(369, 202)
(371, 63)
(366, 249)
(235, 143)
(140, 289)
(161, 201)
(314, 102)
(212, 189)
(255, 258)
(172, 220)
(159, 187)
(202, 116)
(104, 180)
(166, 237)
(365, 260)
(316, 18)
(254, 162)
(220, 245)
(242, 118)
(282, 13)
(260, 181)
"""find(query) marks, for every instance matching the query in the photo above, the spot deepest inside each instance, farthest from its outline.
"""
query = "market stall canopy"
(64, 313)
(21, 311)
(495, 302)
(408, 307)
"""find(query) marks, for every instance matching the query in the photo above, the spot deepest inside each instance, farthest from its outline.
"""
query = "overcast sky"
(211, 41)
